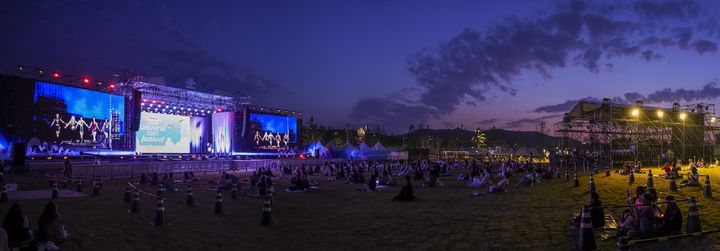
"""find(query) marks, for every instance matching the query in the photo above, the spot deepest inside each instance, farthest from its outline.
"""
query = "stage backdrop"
(222, 131)
(163, 133)
(66, 115)
(199, 134)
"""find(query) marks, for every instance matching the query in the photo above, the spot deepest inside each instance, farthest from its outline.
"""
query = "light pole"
(636, 113)
(682, 118)
(660, 115)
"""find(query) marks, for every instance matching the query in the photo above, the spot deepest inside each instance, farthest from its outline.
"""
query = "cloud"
(473, 65)
(523, 122)
(703, 46)
(488, 121)
(391, 111)
(709, 91)
(564, 106)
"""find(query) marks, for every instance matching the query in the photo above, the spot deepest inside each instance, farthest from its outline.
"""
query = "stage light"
(683, 115)
(20, 68)
(86, 80)
(56, 75)
(635, 112)
(174, 107)
(144, 100)
(39, 71)
(182, 108)
(196, 110)
(162, 102)
(154, 101)
(219, 109)
(167, 106)
(660, 113)
(712, 119)
(98, 83)
(142, 104)
(112, 85)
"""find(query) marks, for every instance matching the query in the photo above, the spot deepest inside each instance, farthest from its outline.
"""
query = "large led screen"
(222, 130)
(163, 133)
(70, 116)
(272, 131)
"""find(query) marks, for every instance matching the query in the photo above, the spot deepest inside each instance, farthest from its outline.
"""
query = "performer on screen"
(278, 139)
(286, 139)
(257, 137)
(56, 122)
(81, 124)
(94, 129)
(267, 137)
(106, 130)
(72, 123)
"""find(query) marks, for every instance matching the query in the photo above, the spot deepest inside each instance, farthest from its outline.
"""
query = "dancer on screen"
(81, 124)
(106, 130)
(257, 138)
(278, 139)
(56, 122)
(94, 129)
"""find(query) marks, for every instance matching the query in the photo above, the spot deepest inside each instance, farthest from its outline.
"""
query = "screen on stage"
(163, 133)
(272, 132)
(67, 116)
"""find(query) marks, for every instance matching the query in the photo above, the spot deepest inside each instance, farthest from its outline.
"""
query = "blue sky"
(350, 62)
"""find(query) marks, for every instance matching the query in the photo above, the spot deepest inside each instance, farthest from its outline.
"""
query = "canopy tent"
(379, 147)
(364, 147)
(317, 149)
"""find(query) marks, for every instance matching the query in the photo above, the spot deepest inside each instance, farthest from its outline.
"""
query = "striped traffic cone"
(127, 197)
(623, 244)
(159, 190)
(159, 212)
(234, 192)
(650, 179)
(693, 222)
(267, 209)
(567, 176)
(135, 206)
(631, 178)
(190, 201)
(55, 194)
(3, 193)
(218, 203)
(707, 192)
(576, 183)
(587, 236)
(673, 184)
(96, 189)
(607, 171)
(80, 185)
(99, 181)
(592, 184)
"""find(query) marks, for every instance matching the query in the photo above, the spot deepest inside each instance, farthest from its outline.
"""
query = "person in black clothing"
(18, 229)
(372, 181)
(155, 180)
(406, 193)
(597, 213)
(671, 222)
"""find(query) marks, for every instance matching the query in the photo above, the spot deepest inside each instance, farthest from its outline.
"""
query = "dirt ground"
(337, 217)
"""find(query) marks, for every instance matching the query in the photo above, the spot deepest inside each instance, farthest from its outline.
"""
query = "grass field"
(336, 217)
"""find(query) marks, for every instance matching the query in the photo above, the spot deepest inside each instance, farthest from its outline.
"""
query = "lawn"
(336, 217)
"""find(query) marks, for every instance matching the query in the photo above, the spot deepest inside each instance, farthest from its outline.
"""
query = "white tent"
(379, 147)
(363, 147)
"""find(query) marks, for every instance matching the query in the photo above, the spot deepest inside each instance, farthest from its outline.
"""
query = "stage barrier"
(123, 170)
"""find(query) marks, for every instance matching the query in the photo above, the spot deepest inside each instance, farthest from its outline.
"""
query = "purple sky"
(437, 63)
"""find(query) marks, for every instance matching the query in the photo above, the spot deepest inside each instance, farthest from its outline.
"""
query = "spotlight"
(39, 71)
(219, 109)
(98, 83)
(142, 104)
(154, 101)
(112, 86)
(20, 68)
(635, 112)
(56, 75)
(712, 119)
(86, 80)
(683, 115)
(660, 113)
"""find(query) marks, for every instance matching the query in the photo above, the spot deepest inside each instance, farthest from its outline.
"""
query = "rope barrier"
(672, 237)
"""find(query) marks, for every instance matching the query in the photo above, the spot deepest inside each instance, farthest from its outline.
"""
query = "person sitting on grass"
(143, 179)
(500, 186)
(51, 231)
(18, 229)
(646, 217)
(627, 224)
(406, 192)
(671, 221)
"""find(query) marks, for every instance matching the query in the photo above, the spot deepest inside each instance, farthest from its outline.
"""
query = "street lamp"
(636, 113)
(660, 114)
(682, 117)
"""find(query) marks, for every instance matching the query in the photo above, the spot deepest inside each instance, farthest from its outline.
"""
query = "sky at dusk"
(507, 64)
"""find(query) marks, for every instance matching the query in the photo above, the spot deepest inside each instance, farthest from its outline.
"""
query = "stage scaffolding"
(652, 135)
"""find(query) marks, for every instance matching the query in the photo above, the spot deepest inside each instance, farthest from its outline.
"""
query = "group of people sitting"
(16, 233)
(645, 219)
